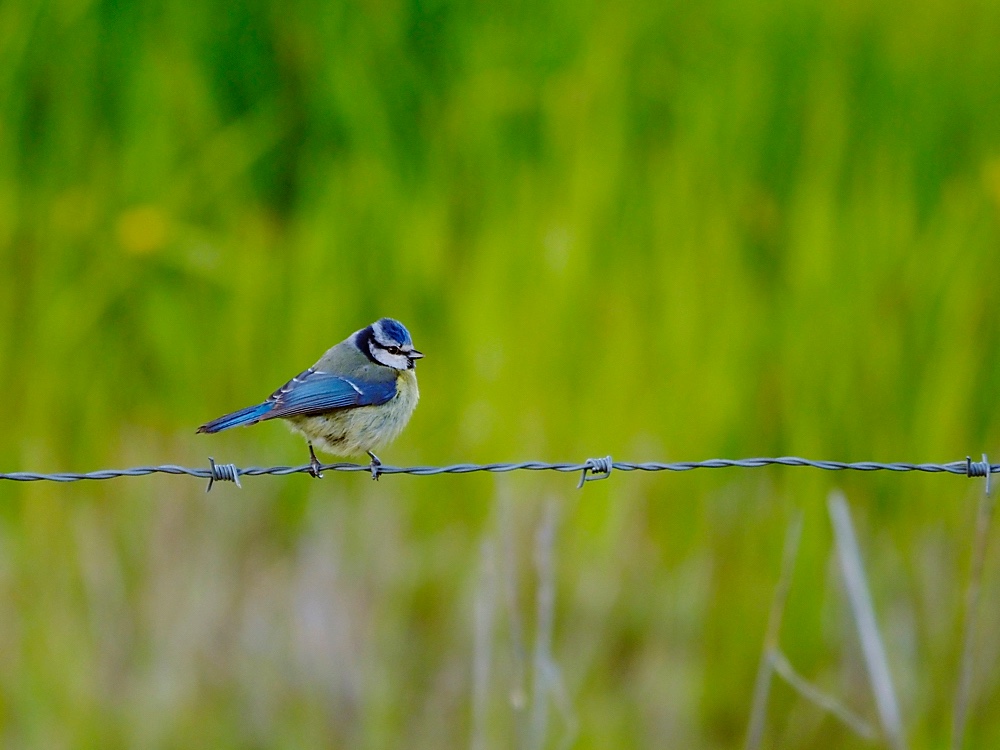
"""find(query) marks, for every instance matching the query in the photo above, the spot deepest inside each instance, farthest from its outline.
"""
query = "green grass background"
(659, 230)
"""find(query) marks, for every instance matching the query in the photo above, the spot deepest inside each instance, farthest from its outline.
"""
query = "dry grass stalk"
(856, 584)
(963, 691)
(762, 684)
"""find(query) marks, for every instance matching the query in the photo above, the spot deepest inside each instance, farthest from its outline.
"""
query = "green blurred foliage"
(656, 230)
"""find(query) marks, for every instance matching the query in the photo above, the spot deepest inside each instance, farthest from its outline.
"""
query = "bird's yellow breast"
(353, 431)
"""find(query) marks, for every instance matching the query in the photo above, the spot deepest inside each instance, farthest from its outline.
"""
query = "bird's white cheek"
(395, 361)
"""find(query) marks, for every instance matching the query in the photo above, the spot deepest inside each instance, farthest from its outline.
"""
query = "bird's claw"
(314, 464)
(375, 466)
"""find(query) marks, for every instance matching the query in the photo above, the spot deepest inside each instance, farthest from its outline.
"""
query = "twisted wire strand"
(593, 468)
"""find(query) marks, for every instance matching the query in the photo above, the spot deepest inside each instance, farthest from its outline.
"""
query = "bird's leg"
(375, 466)
(314, 464)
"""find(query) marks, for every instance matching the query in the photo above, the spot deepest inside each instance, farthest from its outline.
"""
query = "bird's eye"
(392, 349)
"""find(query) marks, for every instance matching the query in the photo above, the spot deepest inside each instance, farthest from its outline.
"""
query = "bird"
(356, 399)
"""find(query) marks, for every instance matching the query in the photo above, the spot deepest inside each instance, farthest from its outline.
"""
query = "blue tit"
(356, 399)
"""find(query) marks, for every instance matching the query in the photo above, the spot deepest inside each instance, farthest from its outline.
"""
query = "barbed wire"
(589, 470)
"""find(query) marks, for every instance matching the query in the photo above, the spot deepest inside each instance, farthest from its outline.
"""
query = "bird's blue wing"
(316, 392)
(311, 392)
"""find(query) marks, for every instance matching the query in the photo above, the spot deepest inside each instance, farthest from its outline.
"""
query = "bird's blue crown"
(390, 332)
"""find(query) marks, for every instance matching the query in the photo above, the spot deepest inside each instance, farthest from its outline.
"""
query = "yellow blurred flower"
(143, 229)
(991, 180)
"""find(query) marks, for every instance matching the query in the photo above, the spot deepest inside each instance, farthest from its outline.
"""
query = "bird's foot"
(314, 464)
(375, 466)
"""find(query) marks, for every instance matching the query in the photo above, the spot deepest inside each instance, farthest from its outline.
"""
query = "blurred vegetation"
(656, 230)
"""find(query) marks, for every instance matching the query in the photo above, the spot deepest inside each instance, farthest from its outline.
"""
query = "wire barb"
(222, 473)
(597, 468)
(979, 469)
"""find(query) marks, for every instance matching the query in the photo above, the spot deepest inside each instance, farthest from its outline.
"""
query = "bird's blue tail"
(250, 415)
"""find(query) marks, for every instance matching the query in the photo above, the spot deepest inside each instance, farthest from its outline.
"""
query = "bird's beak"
(414, 354)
